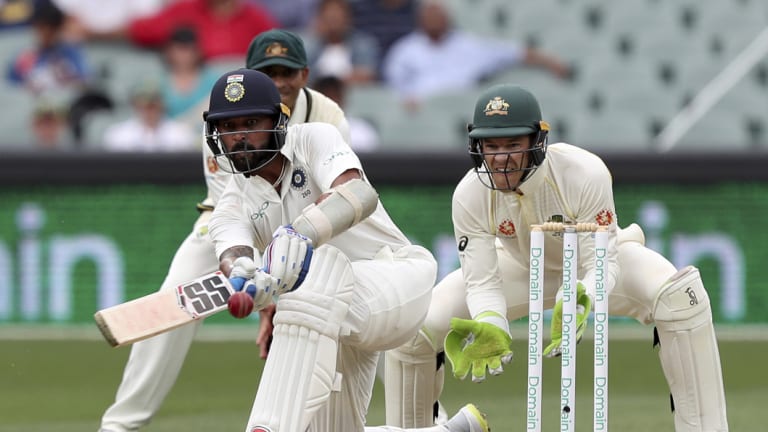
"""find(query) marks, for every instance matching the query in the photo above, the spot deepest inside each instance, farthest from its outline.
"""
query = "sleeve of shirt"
(365, 51)
(477, 254)
(79, 62)
(155, 29)
(395, 68)
(595, 197)
(228, 226)
(493, 55)
(327, 153)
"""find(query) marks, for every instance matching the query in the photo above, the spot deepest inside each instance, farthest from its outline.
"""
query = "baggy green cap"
(276, 47)
(506, 110)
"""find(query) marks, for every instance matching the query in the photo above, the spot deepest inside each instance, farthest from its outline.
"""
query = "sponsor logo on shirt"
(463, 240)
(334, 156)
(260, 212)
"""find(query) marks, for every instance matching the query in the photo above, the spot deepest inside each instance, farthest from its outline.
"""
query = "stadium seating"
(637, 63)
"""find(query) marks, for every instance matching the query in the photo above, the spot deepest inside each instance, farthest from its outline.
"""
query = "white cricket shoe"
(468, 419)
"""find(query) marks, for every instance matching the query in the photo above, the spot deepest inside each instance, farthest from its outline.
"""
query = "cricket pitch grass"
(65, 384)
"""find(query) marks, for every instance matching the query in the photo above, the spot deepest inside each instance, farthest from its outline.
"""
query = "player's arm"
(594, 195)
(349, 201)
(481, 344)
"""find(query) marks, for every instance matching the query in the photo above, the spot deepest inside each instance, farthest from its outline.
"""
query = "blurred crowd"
(135, 75)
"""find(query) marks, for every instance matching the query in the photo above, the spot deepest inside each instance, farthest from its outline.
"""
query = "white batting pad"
(412, 383)
(689, 353)
(300, 371)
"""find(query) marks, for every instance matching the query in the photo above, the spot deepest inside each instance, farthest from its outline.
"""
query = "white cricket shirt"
(571, 185)
(250, 209)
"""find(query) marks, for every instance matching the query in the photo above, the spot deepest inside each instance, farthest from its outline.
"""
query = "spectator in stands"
(51, 64)
(334, 47)
(385, 20)
(225, 27)
(49, 126)
(187, 84)
(294, 15)
(363, 135)
(96, 20)
(437, 56)
(149, 130)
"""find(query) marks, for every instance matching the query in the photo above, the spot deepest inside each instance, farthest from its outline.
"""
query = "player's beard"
(246, 158)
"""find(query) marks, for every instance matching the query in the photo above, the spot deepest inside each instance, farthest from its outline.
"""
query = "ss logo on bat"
(205, 295)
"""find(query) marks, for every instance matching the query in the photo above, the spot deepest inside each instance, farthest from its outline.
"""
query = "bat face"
(163, 311)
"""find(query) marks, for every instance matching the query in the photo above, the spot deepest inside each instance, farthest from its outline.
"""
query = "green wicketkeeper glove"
(583, 307)
(479, 344)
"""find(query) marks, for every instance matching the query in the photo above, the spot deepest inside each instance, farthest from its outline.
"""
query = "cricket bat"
(163, 311)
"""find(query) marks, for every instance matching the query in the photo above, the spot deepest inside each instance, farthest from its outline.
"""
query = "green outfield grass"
(64, 386)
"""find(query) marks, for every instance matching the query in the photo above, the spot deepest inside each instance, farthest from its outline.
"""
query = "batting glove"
(480, 344)
(246, 275)
(583, 307)
(287, 258)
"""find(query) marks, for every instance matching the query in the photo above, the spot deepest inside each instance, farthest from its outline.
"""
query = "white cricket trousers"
(155, 363)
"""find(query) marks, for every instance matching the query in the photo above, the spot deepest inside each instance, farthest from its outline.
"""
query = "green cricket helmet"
(502, 111)
(245, 93)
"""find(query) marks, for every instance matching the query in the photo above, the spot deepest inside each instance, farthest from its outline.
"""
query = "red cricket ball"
(240, 304)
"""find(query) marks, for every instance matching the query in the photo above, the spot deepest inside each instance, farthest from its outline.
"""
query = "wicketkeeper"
(519, 180)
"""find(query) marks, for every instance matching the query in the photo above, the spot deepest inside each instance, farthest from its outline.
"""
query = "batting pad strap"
(347, 205)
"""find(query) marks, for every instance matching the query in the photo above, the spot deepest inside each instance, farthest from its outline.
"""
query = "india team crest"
(234, 91)
(497, 106)
(298, 179)
(507, 228)
(604, 217)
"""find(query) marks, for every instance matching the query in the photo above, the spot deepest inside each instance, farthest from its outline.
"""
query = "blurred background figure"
(225, 27)
(294, 15)
(363, 134)
(51, 63)
(50, 130)
(88, 20)
(385, 20)
(335, 47)
(149, 129)
(187, 83)
(15, 13)
(436, 57)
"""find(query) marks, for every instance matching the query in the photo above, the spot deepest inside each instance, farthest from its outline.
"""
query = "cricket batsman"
(518, 180)
(302, 222)
(154, 364)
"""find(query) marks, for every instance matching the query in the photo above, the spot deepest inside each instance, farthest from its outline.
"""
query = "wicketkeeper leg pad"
(413, 383)
(689, 354)
(300, 372)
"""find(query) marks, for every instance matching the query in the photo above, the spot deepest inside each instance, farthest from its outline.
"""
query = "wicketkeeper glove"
(583, 307)
(287, 258)
(246, 275)
(480, 344)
